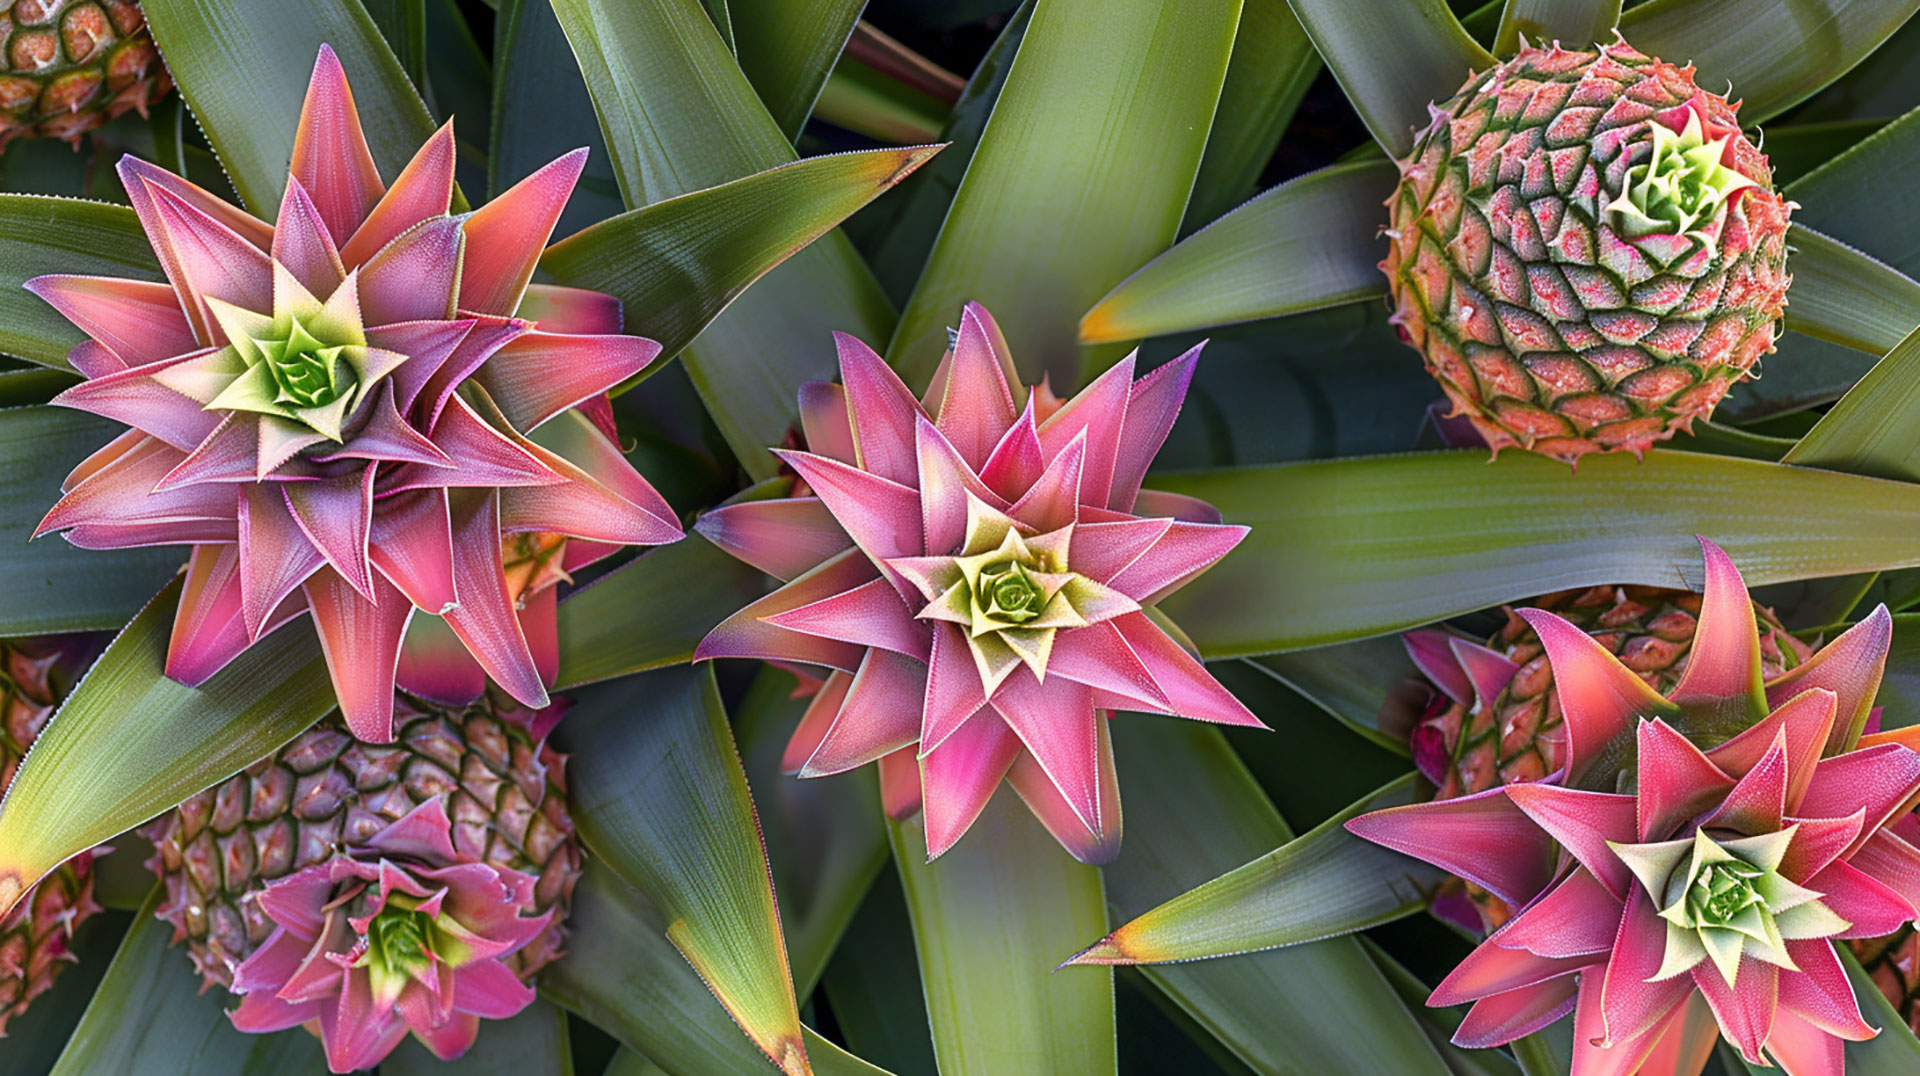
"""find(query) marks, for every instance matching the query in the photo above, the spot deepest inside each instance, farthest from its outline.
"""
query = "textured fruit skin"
(1519, 737)
(35, 675)
(1544, 326)
(72, 65)
(506, 793)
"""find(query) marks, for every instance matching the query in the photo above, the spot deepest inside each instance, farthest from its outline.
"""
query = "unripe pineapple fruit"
(72, 65)
(34, 676)
(1465, 742)
(505, 791)
(1586, 250)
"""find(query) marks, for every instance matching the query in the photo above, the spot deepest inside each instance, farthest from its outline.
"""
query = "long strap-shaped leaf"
(676, 264)
(541, 110)
(1847, 297)
(1439, 1024)
(633, 983)
(679, 115)
(1577, 24)
(50, 585)
(1775, 55)
(1194, 813)
(1309, 243)
(659, 795)
(1344, 549)
(787, 48)
(1320, 885)
(60, 235)
(129, 743)
(826, 838)
(1273, 63)
(990, 918)
(147, 1019)
(1351, 681)
(1875, 428)
(1895, 1050)
(243, 70)
(1848, 196)
(678, 592)
(1083, 171)
(1393, 58)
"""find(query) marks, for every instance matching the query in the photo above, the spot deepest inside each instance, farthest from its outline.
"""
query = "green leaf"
(634, 984)
(1194, 812)
(50, 585)
(826, 839)
(129, 743)
(873, 984)
(679, 116)
(868, 102)
(787, 47)
(659, 795)
(1321, 885)
(245, 75)
(1892, 1052)
(1775, 55)
(1577, 24)
(677, 264)
(60, 235)
(1801, 373)
(1083, 171)
(1352, 681)
(1846, 197)
(532, 1043)
(1899, 695)
(678, 592)
(1875, 428)
(404, 25)
(541, 110)
(1272, 65)
(1439, 1024)
(991, 917)
(1393, 58)
(904, 227)
(1345, 549)
(149, 1019)
(1846, 297)
(1796, 149)
(1309, 243)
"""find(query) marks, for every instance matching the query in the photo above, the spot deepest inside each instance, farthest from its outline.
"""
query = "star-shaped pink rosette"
(400, 935)
(1697, 854)
(980, 576)
(348, 412)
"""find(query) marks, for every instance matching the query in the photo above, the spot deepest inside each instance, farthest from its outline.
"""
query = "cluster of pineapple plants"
(1015, 536)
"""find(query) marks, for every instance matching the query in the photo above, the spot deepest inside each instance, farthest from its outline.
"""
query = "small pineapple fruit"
(35, 675)
(1586, 250)
(72, 65)
(1492, 717)
(505, 792)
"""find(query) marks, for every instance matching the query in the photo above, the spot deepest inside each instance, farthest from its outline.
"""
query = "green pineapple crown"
(305, 371)
(1682, 187)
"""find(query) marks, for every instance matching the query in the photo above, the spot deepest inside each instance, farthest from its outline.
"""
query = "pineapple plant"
(72, 65)
(854, 411)
(1586, 250)
(1466, 742)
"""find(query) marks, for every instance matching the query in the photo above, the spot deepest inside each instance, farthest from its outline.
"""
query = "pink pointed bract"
(399, 936)
(359, 412)
(1750, 828)
(978, 569)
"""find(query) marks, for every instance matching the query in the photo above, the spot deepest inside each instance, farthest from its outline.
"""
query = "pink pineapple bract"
(394, 936)
(1661, 883)
(979, 577)
(346, 413)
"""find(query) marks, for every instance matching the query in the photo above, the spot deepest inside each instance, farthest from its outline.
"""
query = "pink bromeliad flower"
(398, 935)
(347, 413)
(979, 574)
(1695, 858)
